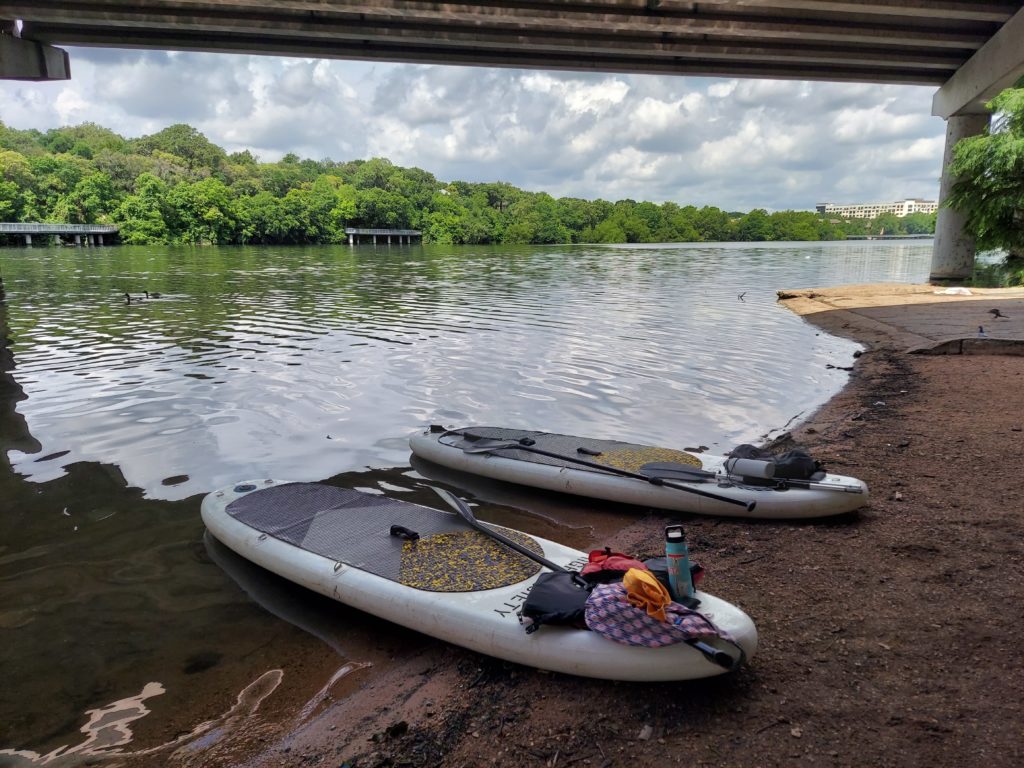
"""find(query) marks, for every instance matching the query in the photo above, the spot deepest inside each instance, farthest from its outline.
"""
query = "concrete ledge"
(918, 318)
(972, 346)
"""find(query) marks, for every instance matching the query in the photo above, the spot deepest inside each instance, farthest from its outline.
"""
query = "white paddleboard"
(319, 538)
(830, 495)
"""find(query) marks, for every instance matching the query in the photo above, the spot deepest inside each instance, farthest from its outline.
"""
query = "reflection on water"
(109, 728)
(318, 363)
(306, 362)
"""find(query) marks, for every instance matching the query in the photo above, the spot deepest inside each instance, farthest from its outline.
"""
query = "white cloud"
(737, 144)
(921, 150)
(70, 105)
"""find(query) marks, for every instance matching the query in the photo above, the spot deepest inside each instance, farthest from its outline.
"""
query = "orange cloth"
(643, 590)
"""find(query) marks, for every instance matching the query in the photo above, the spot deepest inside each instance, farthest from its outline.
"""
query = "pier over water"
(401, 236)
(92, 233)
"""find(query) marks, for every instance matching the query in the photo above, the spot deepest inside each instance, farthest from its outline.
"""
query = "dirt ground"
(889, 637)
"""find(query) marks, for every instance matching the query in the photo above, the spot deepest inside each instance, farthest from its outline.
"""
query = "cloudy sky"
(736, 144)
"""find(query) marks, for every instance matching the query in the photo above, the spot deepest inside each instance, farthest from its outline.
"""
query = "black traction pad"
(610, 453)
(354, 528)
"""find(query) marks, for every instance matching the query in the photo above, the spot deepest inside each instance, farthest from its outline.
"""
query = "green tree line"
(175, 186)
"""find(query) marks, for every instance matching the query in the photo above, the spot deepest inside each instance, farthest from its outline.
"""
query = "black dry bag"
(558, 597)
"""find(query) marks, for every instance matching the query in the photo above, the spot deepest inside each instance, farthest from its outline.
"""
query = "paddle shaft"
(712, 654)
(467, 514)
(748, 505)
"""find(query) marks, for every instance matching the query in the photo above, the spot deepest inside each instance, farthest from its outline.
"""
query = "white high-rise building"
(871, 210)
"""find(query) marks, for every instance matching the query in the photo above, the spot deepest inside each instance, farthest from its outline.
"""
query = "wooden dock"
(92, 233)
(402, 236)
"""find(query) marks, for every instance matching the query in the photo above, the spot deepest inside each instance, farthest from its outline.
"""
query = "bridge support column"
(99, 239)
(28, 240)
(89, 240)
(351, 239)
(78, 240)
(374, 239)
(953, 251)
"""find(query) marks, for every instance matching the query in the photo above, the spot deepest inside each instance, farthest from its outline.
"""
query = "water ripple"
(256, 354)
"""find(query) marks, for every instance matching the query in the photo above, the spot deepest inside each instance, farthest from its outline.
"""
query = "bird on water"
(153, 295)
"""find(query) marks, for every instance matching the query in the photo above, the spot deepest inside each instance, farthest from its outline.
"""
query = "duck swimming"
(153, 295)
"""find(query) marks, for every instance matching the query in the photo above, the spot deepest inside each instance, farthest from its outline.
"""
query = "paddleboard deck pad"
(354, 528)
(452, 582)
(459, 449)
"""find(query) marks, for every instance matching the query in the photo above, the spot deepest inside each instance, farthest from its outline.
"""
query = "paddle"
(748, 505)
(666, 469)
(466, 513)
(712, 654)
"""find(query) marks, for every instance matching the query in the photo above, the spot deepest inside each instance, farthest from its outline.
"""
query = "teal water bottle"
(678, 556)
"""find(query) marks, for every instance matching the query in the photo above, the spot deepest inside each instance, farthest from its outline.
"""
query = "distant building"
(871, 210)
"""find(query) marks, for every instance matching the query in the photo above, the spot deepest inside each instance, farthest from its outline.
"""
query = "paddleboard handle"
(715, 655)
(404, 533)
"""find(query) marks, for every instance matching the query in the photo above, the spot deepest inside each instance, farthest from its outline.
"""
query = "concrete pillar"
(99, 239)
(88, 240)
(78, 240)
(28, 240)
(351, 239)
(389, 239)
(953, 251)
(374, 239)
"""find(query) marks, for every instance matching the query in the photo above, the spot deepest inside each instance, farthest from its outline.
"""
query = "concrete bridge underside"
(972, 49)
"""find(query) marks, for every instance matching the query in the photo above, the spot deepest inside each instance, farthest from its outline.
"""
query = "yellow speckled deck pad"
(634, 457)
(465, 561)
(354, 528)
(612, 453)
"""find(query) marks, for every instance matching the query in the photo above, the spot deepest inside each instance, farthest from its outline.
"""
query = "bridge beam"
(28, 60)
(997, 65)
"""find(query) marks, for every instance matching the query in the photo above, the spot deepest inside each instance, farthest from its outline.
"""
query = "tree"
(888, 224)
(141, 216)
(713, 224)
(17, 199)
(378, 208)
(754, 227)
(377, 173)
(203, 212)
(89, 202)
(185, 142)
(990, 168)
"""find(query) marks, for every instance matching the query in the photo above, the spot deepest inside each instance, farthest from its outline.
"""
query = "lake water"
(318, 363)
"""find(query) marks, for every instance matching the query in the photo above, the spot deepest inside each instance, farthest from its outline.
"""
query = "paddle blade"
(455, 503)
(671, 470)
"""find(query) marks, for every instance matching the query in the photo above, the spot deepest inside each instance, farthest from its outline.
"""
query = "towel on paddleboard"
(610, 614)
(644, 591)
